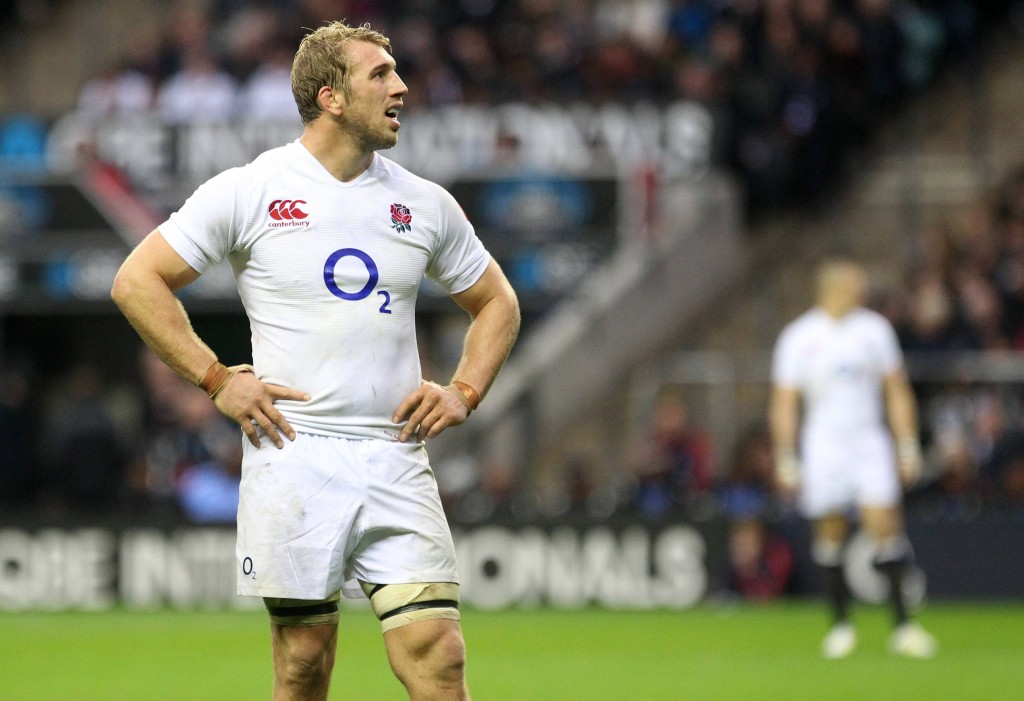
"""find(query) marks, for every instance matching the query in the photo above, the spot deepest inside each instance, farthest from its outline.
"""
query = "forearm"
(783, 418)
(902, 412)
(488, 343)
(162, 323)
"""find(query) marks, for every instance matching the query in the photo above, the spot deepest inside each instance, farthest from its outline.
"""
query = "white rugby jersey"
(838, 366)
(328, 273)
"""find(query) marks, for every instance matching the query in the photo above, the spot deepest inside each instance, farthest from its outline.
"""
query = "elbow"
(117, 290)
(121, 289)
(514, 311)
(514, 316)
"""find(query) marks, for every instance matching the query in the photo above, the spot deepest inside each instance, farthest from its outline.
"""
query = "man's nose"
(399, 87)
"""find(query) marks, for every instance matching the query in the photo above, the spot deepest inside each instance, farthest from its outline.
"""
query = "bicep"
(491, 285)
(154, 256)
(896, 385)
(787, 398)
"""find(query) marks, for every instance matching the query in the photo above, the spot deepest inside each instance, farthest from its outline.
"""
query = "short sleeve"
(205, 228)
(786, 363)
(889, 347)
(460, 258)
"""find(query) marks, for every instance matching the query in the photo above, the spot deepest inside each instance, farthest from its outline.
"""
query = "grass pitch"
(707, 653)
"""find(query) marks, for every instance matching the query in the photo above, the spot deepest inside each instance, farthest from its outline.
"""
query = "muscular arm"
(493, 306)
(901, 406)
(144, 291)
(783, 418)
(901, 409)
(491, 303)
(783, 421)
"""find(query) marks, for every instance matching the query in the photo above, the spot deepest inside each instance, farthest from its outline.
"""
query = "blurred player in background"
(843, 364)
(329, 243)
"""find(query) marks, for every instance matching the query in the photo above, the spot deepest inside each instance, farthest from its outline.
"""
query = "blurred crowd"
(966, 293)
(792, 84)
(967, 280)
(156, 447)
(156, 450)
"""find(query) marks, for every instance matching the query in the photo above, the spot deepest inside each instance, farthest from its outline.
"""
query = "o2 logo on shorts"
(247, 568)
(371, 282)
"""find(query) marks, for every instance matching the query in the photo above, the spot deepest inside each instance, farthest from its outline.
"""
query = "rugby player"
(329, 242)
(838, 379)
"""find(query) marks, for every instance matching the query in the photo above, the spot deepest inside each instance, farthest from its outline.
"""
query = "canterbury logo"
(287, 210)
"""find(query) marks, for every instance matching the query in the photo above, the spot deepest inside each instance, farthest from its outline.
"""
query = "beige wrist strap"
(467, 393)
(218, 376)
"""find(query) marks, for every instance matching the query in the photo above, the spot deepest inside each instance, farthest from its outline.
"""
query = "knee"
(893, 549)
(450, 657)
(438, 660)
(304, 665)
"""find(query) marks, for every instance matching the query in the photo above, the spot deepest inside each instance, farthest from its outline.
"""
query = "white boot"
(911, 640)
(839, 642)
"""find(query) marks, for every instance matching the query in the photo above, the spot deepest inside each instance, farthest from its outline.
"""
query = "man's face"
(370, 113)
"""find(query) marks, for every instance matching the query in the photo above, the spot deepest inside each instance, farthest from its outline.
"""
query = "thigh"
(297, 511)
(832, 528)
(877, 481)
(826, 487)
(404, 535)
(881, 522)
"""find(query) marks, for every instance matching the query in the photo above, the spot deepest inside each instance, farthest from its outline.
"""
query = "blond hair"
(322, 61)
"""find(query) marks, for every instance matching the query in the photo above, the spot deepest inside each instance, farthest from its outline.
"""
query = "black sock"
(893, 571)
(836, 592)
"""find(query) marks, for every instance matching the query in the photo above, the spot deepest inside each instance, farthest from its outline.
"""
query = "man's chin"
(387, 142)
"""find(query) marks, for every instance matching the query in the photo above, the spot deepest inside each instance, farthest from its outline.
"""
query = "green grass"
(707, 653)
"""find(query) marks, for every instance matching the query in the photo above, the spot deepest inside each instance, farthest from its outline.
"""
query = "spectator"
(793, 84)
(748, 491)
(998, 451)
(83, 454)
(210, 465)
(188, 459)
(760, 562)
(118, 90)
(201, 92)
(17, 480)
(675, 465)
(267, 93)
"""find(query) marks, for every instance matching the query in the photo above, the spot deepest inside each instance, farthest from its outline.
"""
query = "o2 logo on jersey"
(371, 280)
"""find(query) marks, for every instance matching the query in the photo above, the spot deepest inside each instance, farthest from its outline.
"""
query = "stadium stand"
(877, 128)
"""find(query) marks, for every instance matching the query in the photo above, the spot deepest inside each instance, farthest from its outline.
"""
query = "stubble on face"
(363, 119)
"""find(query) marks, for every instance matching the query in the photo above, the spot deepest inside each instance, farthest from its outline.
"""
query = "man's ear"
(330, 100)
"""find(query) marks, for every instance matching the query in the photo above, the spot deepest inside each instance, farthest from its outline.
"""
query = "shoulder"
(872, 321)
(403, 179)
(804, 324)
(277, 164)
(267, 163)
(273, 161)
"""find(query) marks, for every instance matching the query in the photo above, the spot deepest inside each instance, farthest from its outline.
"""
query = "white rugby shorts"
(324, 512)
(838, 475)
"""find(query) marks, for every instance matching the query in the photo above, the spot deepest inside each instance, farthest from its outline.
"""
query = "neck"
(837, 310)
(337, 153)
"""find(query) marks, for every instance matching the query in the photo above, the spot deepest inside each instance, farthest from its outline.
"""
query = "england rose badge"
(401, 218)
